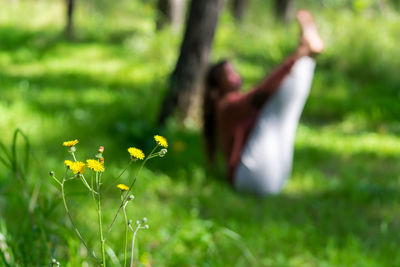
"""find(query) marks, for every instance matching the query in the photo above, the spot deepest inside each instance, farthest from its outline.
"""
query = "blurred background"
(107, 73)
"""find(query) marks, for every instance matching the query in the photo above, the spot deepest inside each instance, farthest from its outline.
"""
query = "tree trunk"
(284, 9)
(238, 8)
(69, 27)
(178, 14)
(164, 13)
(193, 59)
(170, 12)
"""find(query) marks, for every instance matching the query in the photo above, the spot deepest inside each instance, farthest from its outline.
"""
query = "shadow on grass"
(355, 203)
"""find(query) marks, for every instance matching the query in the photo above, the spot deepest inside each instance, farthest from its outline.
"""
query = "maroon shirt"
(237, 113)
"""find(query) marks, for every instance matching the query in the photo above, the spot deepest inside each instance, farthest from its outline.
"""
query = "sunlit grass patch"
(331, 138)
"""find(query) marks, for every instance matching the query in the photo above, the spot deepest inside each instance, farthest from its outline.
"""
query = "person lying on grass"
(257, 129)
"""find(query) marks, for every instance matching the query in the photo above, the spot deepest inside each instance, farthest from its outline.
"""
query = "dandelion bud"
(131, 197)
(72, 149)
(162, 152)
(53, 261)
(101, 149)
(144, 220)
(146, 226)
(51, 173)
(129, 222)
(137, 222)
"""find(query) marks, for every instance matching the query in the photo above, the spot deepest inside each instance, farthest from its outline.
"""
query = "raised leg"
(266, 160)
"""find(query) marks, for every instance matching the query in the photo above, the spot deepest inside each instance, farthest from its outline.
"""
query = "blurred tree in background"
(107, 88)
(284, 9)
(170, 12)
(239, 8)
(69, 26)
(193, 58)
(164, 13)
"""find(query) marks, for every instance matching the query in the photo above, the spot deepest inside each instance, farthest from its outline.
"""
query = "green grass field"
(340, 208)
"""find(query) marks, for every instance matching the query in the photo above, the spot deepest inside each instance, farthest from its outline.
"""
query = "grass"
(340, 208)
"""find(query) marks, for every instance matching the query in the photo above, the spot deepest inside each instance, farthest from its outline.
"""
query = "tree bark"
(189, 71)
(284, 9)
(69, 27)
(164, 13)
(170, 12)
(238, 8)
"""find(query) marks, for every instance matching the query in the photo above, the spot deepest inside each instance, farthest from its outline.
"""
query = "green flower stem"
(83, 177)
(130, 189)
(133, 244)
(57, 180)
(126, 233)
(86, 184)
(72, 221)
(94, 197)
(73, 155)
(119, 176)
(102, 240)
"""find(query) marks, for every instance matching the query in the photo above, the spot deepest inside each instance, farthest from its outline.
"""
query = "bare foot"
(309, 32)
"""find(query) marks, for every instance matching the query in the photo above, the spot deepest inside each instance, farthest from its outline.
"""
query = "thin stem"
(86, 184)
(73, 155)
(126, 233)
(72, 221)
(119, 176)
(70, 178)
(56, 180)
(133, 243)
(130, 189)
(94, 197)
(102, 241)
(123, 200)
(83, 177)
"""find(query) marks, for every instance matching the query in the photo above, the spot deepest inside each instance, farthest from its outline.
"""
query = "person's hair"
(211, 93)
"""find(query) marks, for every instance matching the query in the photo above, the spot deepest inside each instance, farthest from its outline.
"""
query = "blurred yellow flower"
(95, 165)
(78, 167)
(136, 153)
(123, 187)
(70, 143)
(161, 141)
(68, 163)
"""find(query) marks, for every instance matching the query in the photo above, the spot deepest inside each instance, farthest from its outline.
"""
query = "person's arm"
(259, 95)
(242, 104)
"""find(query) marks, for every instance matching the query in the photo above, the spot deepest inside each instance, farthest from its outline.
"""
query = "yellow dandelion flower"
(68, 163)
(136, 153)
(70, 143)
(95, 165)
(161, 141)
(123, 187)
(78, 167)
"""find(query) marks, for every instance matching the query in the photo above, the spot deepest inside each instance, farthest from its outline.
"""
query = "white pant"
(266, 160)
